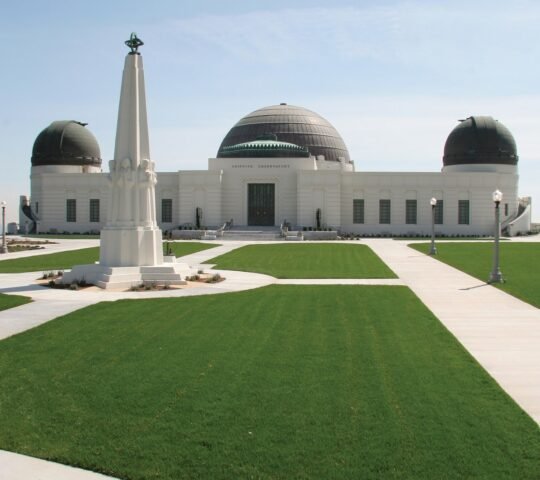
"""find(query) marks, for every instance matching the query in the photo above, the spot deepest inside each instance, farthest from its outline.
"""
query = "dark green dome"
(265, 146)
(294, 125)
(66, 142)
(480, 140)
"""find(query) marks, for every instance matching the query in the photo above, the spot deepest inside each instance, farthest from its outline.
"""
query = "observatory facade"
(287, 163)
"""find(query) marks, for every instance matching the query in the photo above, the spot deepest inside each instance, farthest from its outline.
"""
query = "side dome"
(66, 142)
(480, 140)
(294, 125)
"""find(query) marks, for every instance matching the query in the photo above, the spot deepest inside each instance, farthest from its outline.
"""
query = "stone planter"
(188, 234)
(320, 235)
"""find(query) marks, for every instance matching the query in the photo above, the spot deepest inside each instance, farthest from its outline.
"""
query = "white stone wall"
(51, 190)
(320, 189)
(477, 187)
(199, 189)
(167, 188)
(300, 188)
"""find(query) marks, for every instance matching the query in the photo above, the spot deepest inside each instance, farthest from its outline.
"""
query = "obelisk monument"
(131, 249)
(131, 236)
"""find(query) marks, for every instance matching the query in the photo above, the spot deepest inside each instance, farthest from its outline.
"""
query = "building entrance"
(261, 201)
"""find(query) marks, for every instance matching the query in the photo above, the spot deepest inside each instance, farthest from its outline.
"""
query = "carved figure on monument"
(123, 180)
(127, 181)
(147, 196)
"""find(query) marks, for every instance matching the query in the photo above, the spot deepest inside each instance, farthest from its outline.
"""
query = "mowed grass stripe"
(519, 262)
(278, 382)
(306, 260)
(66, 260)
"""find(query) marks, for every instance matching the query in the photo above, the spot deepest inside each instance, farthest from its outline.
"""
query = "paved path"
(501, 332)
(20, 467)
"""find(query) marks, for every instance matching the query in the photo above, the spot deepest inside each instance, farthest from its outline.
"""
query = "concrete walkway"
(20, 467)
(501, 332)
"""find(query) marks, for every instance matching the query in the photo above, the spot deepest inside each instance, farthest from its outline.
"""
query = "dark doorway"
(261, 204)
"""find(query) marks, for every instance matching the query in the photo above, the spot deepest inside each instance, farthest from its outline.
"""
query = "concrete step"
(261, 235)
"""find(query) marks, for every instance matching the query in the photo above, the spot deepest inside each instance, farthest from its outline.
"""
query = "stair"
(252, 234)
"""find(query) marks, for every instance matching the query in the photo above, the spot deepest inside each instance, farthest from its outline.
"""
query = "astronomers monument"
(131, 247)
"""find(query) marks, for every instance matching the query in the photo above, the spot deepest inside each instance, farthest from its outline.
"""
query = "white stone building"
(288, 163)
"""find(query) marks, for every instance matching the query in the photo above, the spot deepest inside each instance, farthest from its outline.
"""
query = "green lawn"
(51, 261)
(10, 301)
(66, 260)
(306, 260)
(182, 248)
(520, 264)
(284, 382)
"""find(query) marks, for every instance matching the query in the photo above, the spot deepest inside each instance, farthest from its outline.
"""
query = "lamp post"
(4, 248)
(496, 275)
(433, 248)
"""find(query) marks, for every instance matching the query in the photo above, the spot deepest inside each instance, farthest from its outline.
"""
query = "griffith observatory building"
(286, 163)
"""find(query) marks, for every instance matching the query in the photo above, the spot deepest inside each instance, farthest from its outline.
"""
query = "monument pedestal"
(127, 247)
(124, 278)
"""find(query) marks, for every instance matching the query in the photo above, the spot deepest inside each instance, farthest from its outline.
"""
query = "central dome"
(290, 124)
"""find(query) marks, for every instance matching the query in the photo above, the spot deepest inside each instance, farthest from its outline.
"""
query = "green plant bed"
(520, 264)
(10, 301)
(313, 260)
(281, 382)
(64, 236)
(66, 260)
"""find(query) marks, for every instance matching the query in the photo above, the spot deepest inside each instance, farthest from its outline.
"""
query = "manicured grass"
(306, 260)
(50, 262)
(282, 382)
(10, 301)
(519, 262)
(182, 248)
(66, 260)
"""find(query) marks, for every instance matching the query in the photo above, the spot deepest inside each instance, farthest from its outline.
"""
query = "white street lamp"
(496, 275)
(3, 249)
(432, 248)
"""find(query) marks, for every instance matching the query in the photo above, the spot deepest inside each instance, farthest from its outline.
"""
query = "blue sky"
(392, 76)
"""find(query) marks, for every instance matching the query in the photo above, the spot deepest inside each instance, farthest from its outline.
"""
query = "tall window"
(358, 210)
(384, 211)
(166, 210)
(410, 211)
(439, 212)
(463, 212)
(71, 210)
(505, 209)
(37, 208)
(94, 209)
